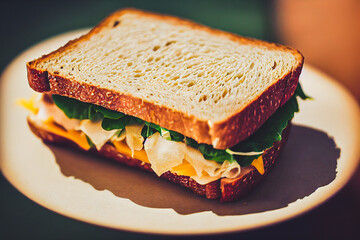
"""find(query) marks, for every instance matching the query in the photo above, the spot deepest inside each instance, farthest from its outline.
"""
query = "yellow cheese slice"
(49, 125)
(184, 169)
(79, 138)
(259, 165)
(123, 148)
(76, 136)
(28, 104)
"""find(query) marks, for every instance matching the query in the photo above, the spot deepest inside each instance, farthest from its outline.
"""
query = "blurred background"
(327, 32)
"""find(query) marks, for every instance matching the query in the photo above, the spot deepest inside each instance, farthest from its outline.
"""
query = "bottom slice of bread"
(226, 190)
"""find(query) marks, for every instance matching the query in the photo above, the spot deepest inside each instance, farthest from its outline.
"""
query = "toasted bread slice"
(213, 86)
(224, 189)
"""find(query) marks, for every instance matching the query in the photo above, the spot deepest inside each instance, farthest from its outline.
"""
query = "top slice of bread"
(213, 86)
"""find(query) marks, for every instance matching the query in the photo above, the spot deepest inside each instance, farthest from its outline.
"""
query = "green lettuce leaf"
(147, 131)
(209, 152)
(267, 134)
(261, 140)
(111, 124)
(175, 136)
(217, 155)
(299, 92)
(91, 144)
(111, 120)
(150, 128)
(191, 142)
(74, 108)
(270, 132)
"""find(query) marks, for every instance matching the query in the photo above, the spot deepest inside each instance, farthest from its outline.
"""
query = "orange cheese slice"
(123, 148)
(76, 136)
(28, 104)
(259, 165)
(184, 169)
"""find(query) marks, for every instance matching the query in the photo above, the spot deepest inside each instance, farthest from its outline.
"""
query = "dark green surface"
(24, 23)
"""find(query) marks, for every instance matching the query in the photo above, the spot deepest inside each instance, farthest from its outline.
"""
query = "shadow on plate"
(307, 163)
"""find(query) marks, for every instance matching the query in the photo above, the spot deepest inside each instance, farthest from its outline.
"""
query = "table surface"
(26, 23)
(21, 218)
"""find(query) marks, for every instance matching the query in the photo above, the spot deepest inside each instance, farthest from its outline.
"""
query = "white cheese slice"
(47, 110)
(229, 170)
(208, 170)
(200, 164)
(163, 155)
(118, 137)
(96, 133)
(133, 137)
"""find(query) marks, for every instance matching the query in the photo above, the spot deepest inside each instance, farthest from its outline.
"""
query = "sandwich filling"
(92, 126)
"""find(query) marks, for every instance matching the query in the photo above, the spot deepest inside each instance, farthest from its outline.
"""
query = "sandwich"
(203, 108)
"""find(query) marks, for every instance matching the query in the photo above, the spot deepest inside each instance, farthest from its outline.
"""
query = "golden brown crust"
(221, 135)
(226, 190)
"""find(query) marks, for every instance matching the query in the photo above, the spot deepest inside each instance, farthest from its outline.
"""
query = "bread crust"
(221, 135)
(225, 190)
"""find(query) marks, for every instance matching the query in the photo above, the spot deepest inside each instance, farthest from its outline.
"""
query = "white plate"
(101, 192)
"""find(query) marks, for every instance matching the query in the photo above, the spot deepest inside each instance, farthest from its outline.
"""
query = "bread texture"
(213, 86)
(225, 190)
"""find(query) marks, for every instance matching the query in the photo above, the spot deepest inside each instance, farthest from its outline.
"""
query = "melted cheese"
(185, 169)
(133, 137)
(197, 160)
(96, 133)
(163, 155)
(123, 148)
(47, 110)
(119, 138)
(76, 136)
(29, 104)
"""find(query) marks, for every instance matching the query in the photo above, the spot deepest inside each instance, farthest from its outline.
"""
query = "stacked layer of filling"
(92, 126)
